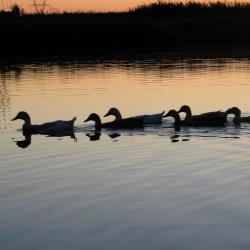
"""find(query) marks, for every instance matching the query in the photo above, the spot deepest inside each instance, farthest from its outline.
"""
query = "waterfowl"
(120, 124)
(43, 128)
(237, 115)
(147, 119)
(195, 123)
(209, 116)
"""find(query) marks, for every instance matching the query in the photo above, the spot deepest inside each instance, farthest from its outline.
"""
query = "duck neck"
(118, 115)
(98, 124)
(237, 116)
(27, 123)
(177, 119)
(188, 114)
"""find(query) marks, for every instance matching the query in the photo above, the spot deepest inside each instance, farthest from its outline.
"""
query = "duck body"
(147, 119)
(237, 115)
(193, 122)
(127, 123)
(214, 117)
(48, 127)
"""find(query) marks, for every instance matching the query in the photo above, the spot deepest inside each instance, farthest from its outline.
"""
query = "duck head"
(115, 112)
(95, 117)
(23, 116)
(173, 113)
(236, 112)
(186, 109)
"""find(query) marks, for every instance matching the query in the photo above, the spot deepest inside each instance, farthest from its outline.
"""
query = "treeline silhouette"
(157, 26)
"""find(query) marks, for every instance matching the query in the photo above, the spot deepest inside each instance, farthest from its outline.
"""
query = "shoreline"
(158, 27)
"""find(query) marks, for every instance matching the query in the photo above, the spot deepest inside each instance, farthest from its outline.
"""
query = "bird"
(47, 127)
(219, 116)
(194, 123)
(120, 124)
(147, 119)
(237, 115)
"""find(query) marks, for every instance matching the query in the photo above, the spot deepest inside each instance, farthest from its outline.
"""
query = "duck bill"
(106, 115)
(15, 118)
(86, 120)
(166, 115)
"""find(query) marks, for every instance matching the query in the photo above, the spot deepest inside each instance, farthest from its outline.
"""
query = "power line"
(40, 7)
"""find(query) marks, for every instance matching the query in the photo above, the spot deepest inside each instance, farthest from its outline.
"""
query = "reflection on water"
(28, 136)
(24, 143)
(152, 188)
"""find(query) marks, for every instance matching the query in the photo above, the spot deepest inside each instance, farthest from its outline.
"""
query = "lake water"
(154, 188)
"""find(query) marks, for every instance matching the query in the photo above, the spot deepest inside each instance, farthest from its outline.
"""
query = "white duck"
(43, 128)
(147, 119)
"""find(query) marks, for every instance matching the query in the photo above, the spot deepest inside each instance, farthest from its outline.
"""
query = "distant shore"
(159, 26)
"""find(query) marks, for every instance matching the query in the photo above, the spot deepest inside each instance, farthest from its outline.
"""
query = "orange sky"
(83, 5)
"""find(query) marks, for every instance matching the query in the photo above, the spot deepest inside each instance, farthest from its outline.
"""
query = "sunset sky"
(81, 5)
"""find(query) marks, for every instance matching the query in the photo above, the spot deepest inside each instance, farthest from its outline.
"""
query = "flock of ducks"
(215, 118)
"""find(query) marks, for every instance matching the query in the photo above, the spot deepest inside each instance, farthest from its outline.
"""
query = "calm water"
(155, 188)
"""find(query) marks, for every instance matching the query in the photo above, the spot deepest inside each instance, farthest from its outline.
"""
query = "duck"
(47, 127)
(147, 119)
(219, 116)
(194, 123)
(237, 115)
(120, 124)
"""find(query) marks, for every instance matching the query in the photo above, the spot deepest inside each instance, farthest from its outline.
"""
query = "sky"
(82, 5)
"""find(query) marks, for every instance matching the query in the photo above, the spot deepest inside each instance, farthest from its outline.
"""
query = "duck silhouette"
(48, 127)
(237, 115)
(127, 123)
(147, 119)
(215, 116)
(195, 123)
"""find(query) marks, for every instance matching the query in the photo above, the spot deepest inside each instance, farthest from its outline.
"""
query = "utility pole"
(39, 6)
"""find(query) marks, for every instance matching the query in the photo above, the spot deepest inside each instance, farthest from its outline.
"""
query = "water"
(155, 188)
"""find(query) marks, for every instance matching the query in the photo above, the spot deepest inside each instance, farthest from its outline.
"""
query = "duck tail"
(163, 112)
(74, 119)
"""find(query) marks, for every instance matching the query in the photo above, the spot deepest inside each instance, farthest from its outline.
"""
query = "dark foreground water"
(155, 188)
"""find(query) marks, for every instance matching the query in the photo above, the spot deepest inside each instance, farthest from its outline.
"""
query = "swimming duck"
(209, 116)
(147, 119)
(237, 115)
(120, 124)
(43, 128)
(195, 123)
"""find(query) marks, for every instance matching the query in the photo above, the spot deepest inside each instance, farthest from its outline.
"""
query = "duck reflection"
(24, 143)
(114, 135)
(95, 136)
(28, 136)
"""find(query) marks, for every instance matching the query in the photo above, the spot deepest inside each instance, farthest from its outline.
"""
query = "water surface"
(154, 188)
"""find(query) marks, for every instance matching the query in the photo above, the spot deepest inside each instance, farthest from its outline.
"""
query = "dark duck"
(193, 122)
(127, 123)
(215, 117)
(237, 115)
